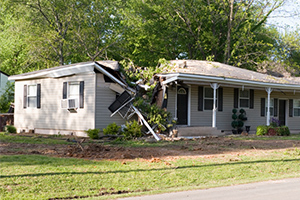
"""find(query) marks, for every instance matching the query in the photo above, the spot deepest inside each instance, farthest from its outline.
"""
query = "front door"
(182, 105)
(282, 112)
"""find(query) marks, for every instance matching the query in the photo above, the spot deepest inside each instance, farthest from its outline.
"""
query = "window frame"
(244, 98)
(296, 107)
(209, 98)
(271, 106)
(28, 96)
(78, 103)
(76, 96)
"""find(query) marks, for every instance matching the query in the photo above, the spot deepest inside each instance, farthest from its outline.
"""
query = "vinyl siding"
(104, 98)
(204, 118)
(51, 115)
(171, 101)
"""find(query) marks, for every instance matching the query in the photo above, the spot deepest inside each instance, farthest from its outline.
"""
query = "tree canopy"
(37, 34)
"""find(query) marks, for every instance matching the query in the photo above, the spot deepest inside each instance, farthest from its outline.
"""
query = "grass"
(42, 177)
(14, 138)
(254, 137)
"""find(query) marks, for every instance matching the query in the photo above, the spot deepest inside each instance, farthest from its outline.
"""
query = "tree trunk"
(227, 48)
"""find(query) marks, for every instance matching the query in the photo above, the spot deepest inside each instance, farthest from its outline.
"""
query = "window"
(73, 94)
(209, 98)
(271, 107)
(32, 96)
(244, 98)
(296, 107)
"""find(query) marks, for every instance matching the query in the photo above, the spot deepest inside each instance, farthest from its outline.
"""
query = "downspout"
(268, 90)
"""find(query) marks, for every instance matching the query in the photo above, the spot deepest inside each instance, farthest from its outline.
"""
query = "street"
(276, 190)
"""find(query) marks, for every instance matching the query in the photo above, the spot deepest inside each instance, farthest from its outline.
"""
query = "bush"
(262, 130)
(155, 115)
(132, 130)
(112, 129)
(270, 130)
(283, 131)
(10, 129)
(93, 133)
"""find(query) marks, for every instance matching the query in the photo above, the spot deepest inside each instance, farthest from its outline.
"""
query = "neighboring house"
(3, 81)
(203, 94)
(67, 99)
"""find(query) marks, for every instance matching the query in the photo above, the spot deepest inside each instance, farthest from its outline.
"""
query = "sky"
(287, 17)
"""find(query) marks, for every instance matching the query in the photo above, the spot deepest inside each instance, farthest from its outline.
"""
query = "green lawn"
(14, 138)
(42, 177)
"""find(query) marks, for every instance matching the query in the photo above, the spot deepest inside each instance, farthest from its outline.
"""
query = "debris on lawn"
(207, 147)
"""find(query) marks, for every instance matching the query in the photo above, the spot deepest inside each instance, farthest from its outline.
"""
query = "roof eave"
(193, 77)
(78, 69)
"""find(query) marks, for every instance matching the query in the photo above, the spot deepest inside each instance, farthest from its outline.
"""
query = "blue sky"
(288, 15)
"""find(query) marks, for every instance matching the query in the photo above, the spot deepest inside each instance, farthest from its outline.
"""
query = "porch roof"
(206, 71)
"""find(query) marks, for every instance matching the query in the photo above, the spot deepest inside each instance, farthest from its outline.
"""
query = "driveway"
(288, 189)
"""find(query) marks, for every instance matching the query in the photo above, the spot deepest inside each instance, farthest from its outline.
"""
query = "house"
(3, 81)
(68, 99)
(202, 94)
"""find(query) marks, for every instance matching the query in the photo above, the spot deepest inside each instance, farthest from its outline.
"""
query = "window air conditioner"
(72, 103)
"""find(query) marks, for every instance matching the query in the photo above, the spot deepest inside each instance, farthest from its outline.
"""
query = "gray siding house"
(3, 81)
(202, 94)
(67, 99)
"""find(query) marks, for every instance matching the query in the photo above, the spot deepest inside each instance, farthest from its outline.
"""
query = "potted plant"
(238, 120)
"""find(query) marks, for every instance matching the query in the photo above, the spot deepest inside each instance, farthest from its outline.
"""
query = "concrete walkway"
(287, 189)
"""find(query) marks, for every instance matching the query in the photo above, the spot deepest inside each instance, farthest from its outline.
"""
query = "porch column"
(214, 86)
(268, 90)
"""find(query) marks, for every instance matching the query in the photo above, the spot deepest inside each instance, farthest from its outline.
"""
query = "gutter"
(45, 73)
(192, 77)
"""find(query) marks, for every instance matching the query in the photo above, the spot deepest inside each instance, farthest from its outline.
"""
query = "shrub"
(283, 131)
(155, 115)
(132, 130)
(93, 133)
(262, 130)
(10, 129)
(111, 129)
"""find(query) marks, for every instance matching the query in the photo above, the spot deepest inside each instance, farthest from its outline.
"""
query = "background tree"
(225, 30)
(7, 97)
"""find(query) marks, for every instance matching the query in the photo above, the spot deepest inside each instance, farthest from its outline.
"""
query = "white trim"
(214, 86)
(28, 96)
(294, 108)
(248, 98)
(55, 73)
(268, 90)
(189, 106)
(176, 104)
(195, 77)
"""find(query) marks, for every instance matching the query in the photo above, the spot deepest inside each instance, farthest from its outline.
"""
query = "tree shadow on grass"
(148, 170)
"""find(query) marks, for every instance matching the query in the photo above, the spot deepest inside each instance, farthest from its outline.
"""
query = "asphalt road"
(286, 189)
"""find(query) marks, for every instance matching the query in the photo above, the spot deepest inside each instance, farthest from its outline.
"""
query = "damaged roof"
(209, 68)
(67, 70)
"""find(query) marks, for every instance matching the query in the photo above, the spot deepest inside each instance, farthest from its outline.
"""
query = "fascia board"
(193, 77)
(57, 73)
